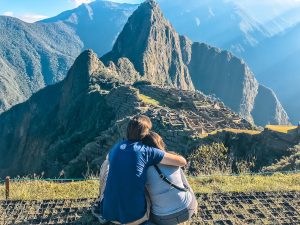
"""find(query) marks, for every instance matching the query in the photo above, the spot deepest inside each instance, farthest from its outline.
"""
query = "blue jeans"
(176, 218)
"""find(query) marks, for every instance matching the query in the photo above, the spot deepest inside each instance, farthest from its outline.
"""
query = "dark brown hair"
(154, 140)
(138, 127)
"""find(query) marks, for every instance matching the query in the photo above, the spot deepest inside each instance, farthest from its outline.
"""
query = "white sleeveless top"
(167, 200)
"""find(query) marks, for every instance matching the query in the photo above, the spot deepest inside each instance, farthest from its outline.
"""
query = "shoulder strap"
(165, 179)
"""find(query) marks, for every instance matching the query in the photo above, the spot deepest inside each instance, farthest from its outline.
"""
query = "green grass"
(148, 100)
(38, 190)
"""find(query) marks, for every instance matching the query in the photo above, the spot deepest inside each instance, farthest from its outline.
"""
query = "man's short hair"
(138, 127)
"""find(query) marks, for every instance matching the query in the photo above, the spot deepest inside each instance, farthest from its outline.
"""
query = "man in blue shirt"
(124, 199)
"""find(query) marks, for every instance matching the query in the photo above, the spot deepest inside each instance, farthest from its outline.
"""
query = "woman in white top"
(172, 199)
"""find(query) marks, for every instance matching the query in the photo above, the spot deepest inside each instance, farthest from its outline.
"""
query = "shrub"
(216, 159)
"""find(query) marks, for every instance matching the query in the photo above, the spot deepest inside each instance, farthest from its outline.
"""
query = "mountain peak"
(79, 76)
(150, 42)
(151, 3)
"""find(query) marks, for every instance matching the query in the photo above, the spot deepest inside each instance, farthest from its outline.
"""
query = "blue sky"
(33, 10)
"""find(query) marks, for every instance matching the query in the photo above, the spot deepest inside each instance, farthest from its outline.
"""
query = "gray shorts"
(176, 218)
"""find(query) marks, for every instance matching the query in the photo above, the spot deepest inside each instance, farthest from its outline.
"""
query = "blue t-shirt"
(124, 196)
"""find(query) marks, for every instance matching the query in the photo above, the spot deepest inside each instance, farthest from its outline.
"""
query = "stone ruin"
(180, 117)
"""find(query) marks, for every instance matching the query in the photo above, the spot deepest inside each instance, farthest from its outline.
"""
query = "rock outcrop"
(150, 42)
(267, 109)
(219, 73)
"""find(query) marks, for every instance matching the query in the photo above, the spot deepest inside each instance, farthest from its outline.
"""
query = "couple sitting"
(142, 183)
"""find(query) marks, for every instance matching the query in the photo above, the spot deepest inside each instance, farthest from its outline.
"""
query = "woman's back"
(166, 199)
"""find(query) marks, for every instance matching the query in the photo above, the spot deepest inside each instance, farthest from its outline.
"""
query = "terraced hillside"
(221, 208)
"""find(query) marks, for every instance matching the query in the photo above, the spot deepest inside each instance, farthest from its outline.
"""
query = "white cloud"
(198, 22)
(8, 13)
(28, 17)
(79, 2)
(31, 18)
(211, 12)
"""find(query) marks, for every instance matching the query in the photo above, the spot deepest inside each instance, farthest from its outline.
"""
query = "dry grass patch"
(236, 131)
(39, 190)
(282, 129)
(246, 183)
(148, 100)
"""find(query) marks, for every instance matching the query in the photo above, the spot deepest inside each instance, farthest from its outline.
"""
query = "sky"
(33, 10)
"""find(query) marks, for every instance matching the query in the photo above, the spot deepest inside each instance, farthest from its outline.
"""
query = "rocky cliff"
(150, 42)
(267, 109)
(219, 73)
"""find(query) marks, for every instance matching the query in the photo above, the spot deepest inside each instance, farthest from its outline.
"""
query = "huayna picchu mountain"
(150, 42)
(163, 57)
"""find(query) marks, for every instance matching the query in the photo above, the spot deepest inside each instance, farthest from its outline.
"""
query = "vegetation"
(282, 129)
(291, 162)
(215, 159)
(246, 183)
(148, 100)
(38, 190)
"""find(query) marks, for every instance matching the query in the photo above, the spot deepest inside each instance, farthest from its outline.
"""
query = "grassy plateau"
(39, 189)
